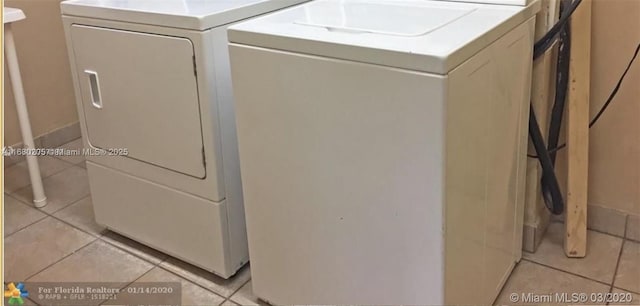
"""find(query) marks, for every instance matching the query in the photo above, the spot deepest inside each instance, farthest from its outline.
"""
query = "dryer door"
(139, 93)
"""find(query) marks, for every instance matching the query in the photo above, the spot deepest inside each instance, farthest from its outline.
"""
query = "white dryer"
(383, 149)
(153, 89)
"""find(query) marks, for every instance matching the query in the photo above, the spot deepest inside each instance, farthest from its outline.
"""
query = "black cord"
(542, 45)
(562, 84)
(615, 90)
(606, 104)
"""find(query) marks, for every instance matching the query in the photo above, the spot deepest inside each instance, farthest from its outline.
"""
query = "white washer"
(152, 80)
(383, 149)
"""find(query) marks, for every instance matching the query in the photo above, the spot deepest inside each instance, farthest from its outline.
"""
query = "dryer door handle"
(94, 88)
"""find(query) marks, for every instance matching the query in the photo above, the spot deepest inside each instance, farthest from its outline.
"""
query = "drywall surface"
(614, 165)
(44, 65)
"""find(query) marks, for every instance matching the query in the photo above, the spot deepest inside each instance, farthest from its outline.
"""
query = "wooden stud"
(575, 243)
(536, 214)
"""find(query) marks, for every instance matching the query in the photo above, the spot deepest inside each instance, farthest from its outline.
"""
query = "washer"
(383, 149)
(153, 91)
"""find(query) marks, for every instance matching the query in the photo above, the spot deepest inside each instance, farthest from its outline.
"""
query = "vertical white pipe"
(39, 198)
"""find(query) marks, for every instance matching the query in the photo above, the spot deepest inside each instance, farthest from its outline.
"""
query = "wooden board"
(575, 243)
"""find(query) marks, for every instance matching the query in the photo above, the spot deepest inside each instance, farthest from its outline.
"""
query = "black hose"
(604, 107)
(549, 182)
(550, 187)
(562, 84)
(542, 45)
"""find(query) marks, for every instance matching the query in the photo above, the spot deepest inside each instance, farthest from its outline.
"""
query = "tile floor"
(62, 243)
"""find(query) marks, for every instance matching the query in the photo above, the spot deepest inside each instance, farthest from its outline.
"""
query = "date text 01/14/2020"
(9, 151)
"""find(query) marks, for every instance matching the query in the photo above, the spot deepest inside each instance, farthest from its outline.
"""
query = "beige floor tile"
(229, 303)
(599, 264)
(133, 247)
(633, 228)
(635, 298)
(191, 293)
(8, 161)
(40, 245)
(18, 215)
(245, 296)
(98, 262)
(224, 287)
(530, 278)
(628, 276)
(62, 189)
(80, 214)
(74, 146)
(17, 176)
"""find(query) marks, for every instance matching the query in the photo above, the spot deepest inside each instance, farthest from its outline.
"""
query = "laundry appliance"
(156, 112)
(383, 148)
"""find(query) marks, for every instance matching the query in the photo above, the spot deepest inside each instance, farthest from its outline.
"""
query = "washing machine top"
(425, 35)
(186, 14)
(502, 2)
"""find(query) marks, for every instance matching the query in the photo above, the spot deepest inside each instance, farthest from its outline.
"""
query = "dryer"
(154, 99)
(383, 149)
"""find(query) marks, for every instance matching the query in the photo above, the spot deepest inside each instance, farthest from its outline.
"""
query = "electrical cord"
(562, 84)
(604, 106)
(550, 187)
(542, 45)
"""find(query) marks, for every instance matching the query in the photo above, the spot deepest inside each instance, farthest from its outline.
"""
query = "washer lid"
(384, 19)
(186, 14)
(424, 35)
(503, 2)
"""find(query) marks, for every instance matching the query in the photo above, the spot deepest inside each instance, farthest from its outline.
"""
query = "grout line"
(57, 218)
(101, 238)
(55, 211)
(623, 236)
(193, 282)
(626, 226)
(605, 233)
(507, 280)
(21, 228)
(615, 272)
(59, 260)
(72, 203)
(97, 237)
(627, 230)
(236, 291)
(42, 177)
(24, 227)
(568, 272)
(131, 282)
(626, 290)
